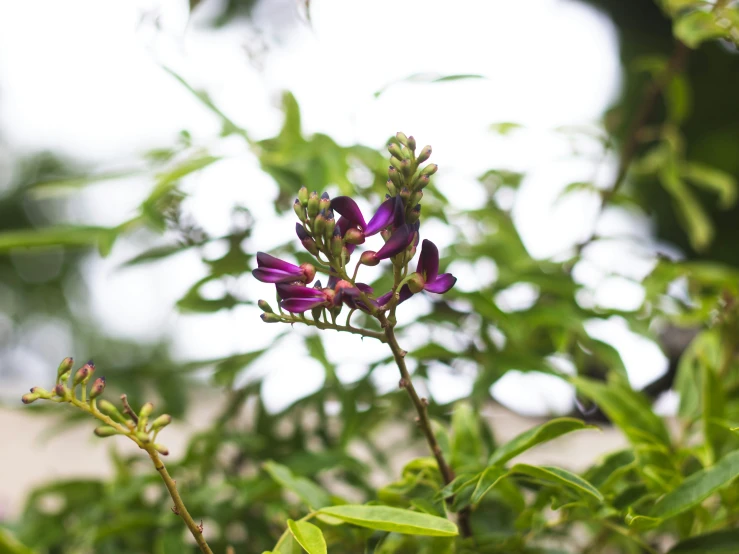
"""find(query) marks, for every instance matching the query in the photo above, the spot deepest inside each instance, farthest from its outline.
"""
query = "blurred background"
(148, 149)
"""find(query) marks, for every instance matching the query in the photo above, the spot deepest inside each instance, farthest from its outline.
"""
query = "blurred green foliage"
(250, 471)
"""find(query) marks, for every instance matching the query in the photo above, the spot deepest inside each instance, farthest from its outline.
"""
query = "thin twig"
(127, 409)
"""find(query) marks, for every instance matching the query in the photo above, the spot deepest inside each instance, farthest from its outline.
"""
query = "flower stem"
(179, 506)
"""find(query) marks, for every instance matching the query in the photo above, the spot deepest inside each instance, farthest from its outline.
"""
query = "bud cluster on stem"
(135, 426)
(331, 230)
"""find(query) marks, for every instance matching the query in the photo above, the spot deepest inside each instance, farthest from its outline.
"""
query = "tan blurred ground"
(34, 451)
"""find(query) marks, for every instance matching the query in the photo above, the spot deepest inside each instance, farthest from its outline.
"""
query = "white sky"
(84, 78)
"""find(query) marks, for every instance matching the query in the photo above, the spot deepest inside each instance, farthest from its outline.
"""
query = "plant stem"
(424, 422)
(179, 506)
(336, 327)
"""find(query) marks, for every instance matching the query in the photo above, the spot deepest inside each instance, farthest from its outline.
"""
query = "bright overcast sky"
(84, 78)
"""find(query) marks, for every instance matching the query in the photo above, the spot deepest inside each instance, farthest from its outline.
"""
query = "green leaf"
(720, 542)
(691, 214)
(678, 97)
(713, 179)
(504, 127)
(308, 536)
(166, 181)
(697, 487)
(393, 520)
(696, 27)
(310, 493)
(488, 480)
(626, 408)
(9, 545)
(55, 236)
(558, 476)
(466, 442)
(543, 433)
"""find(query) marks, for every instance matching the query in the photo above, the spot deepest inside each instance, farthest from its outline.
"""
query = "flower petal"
(297, 291)
(382, 218)
(266, 275)
(441, 284)
(399, 241)
(265, 260)
(349, 209)
(428, 261)
(300, 305)
(405, 294)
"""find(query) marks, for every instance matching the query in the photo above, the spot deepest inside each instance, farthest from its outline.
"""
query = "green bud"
(82, 375)
(336, 243)
(64, 367)
(271, 318)
(421, 182)
(402, 139)
(30, 397)
(391, 188)
(416, 197)
(161, 422)
(303, 196)
(430, 169)
(319, 225)
(265, 307)
(354, 236)
(97, 388)
(299, 210)
(415, 214)
(310, 245)
(395, 176)
(109, 409)
(146, 410)
(405, 194)
(395, 162)
(163, 450)
(143, 436)
(106, 431)
(328, 232)
(395, 151)
(424, 154)
(411, 144)
(313, 205)
(416, 283)
(42, 393)
(405, 167)
(62, 391)
(324, 204)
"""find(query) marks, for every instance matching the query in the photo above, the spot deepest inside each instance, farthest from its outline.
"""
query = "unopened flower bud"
(416, 197)
(405, 194)
(163, 450)
(430, 169)
(265, 307)
(411, 144)
(30, 397)
(106, 431)
(309, 271)
(319, 225)
(369, 258)
(83, 374)
(424, 154)
(299, 210)
(402, 139)
(97, 388)
(421, 182)
(416, 283)
(270, 318)
(143, 436)
(336, 243)
(415, 214)
(354, 236)
(109, 409)
(161, 422)
(405, 167)
(395, 176)
(395, 162)
(324, 204)
(330, 226)
(42, 393)
(146, 410)
(303, 196)
(62, 391)
(391, 188)
(395, 151)
(310, 245)
(345, 255)
(64, 367)
(313, 205)
(385, 234)
(316, 313)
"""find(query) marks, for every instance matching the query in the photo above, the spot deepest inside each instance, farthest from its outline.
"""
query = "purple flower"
(401, 239)
(426, 278)
(353, 218)
(273, 270)
(298, 298)
(428, 269)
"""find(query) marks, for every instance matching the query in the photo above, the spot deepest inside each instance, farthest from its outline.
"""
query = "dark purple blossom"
(428, 269)
(353, 217)
(273, 270)
(401, 239)
(299, 299)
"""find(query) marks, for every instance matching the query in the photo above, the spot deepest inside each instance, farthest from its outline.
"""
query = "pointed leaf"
(558, 476)
(308, 536)
(393, 520)
(720, 542)
(310, 493)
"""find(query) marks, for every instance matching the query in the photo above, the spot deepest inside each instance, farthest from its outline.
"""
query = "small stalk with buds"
(114, 422)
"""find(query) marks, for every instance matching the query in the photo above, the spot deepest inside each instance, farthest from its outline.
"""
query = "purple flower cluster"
(333, 242)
